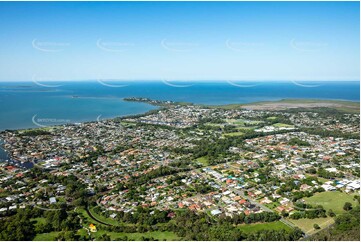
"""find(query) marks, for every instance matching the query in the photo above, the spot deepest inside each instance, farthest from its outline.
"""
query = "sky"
(179, 41)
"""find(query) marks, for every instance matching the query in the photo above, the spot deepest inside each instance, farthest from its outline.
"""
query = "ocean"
(34, 104)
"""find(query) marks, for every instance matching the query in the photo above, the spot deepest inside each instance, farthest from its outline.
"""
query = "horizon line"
(187, 80)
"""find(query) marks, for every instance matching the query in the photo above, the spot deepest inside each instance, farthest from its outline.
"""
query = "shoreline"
(300, 103)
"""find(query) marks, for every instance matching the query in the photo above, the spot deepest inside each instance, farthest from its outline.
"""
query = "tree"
(316, 226)
(67, 236)
(17, 227)
(105, 237)
(284, 213)
(331, 213)
(347, 206)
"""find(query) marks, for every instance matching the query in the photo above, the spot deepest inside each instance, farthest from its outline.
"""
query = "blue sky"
(180, 40)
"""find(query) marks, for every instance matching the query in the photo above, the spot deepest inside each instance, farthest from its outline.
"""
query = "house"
(328, 187)
(265, 201)
(243, 201)
(52, 200)
(355, 185)
(180, 205)
(284, 201)
(305, 187)
(284, 208)
(332, 169)
(171, 215)
(215, 212)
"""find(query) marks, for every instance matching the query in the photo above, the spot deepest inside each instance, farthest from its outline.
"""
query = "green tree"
(347, 206)
(316, 226)
(105, 237)
(331, 213)
(67, 236)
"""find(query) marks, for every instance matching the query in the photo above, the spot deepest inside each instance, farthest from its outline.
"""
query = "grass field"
(166, 235)
(226, 106)
(331, 200)
(241, 122)
(138, 236)
(39, 220)
(203, 160)
(235, 121)
(234, 134)
(272, 205)
(158, 235)
(103, 218)
(249, 228)
(46, 236)
(87, 219)
(279, 125)
(306, 225)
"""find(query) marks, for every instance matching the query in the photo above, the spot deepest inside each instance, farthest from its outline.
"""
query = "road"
(264, 208)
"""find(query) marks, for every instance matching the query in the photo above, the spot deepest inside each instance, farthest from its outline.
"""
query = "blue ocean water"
(34, 104)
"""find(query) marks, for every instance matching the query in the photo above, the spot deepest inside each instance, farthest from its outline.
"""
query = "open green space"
(306, 225)
(127, 123)
(46, 236)
(272, 205)
(254, 122)
(331, 200)
(203, 160)
(245, 129)
(157, 235)
(234, 134)
(103, 218)
(87, 219)
(235, 121)
(242, 122)
(39, 220)
(226, 106)
(276, 225)
(271, 118)
(279, 125)
(215, 125)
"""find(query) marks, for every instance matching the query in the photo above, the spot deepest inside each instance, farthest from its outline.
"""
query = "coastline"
(347, 106)
(291, 105)
(277, 105)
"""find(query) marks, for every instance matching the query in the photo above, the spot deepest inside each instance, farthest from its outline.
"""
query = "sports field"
(331, 200)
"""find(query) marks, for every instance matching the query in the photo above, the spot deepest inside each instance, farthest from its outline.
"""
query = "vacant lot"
(306, 225)
(249, 228)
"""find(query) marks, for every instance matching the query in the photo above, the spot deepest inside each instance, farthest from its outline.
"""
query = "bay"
(34, 104)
